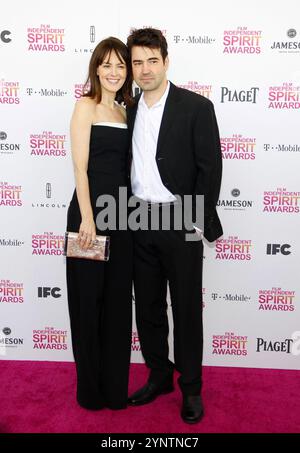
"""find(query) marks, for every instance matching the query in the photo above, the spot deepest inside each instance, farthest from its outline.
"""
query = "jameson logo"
(47, 144)
(286, 96)
(238, 147)
(287, 46)
(242, 41)
(7, 341)
(198, 88)
(50, 338)
(7, 148)
(235, 203)
(281, 200)
(46, 39)
(11, 292)
(276, 299)
(229, 344)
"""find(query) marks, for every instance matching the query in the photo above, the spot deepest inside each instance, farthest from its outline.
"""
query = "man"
(175, 151)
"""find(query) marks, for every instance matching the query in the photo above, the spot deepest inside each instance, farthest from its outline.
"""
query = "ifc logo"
(235, 192)
(291, 33)
(6, 331)
(3, 135)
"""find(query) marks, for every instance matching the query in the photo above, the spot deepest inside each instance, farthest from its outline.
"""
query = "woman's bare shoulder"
(85, 106)
(86, 103)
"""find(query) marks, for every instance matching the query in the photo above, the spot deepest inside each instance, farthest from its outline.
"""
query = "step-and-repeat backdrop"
(245, 57)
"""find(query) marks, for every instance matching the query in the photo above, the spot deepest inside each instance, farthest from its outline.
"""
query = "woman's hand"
(87, 233)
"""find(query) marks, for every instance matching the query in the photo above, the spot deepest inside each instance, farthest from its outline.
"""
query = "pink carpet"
(39, 397)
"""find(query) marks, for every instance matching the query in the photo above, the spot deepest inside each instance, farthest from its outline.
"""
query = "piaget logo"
(231, 95)
(274, 346)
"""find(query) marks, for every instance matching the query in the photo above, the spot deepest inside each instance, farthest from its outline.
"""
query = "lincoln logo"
(92, 33)
(48, 190)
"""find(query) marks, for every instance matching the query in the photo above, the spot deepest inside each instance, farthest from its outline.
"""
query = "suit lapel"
(169, 114)
(131, 114)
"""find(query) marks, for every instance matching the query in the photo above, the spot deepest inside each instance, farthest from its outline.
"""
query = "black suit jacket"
(188, 154)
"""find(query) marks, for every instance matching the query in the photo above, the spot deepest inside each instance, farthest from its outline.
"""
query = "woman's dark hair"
(92, 87)
(148, 37)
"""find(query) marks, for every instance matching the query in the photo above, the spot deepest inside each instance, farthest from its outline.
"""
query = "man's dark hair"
(148, 37)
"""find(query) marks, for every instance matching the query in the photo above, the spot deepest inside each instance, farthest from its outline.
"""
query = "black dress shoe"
(150, 392)
(192, 409)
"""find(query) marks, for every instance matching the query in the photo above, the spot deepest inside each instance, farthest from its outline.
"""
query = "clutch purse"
(98, 251)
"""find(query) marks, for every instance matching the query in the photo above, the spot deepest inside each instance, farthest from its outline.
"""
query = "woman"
(99, 293)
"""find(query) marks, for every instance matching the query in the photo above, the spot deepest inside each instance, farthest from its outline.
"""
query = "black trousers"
(162, 257)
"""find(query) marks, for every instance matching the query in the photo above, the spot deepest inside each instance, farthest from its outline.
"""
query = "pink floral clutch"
(98, 251)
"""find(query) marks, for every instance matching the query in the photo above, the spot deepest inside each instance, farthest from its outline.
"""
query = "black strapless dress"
(100, 293)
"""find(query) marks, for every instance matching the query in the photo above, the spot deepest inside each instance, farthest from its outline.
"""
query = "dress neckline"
(111, 124)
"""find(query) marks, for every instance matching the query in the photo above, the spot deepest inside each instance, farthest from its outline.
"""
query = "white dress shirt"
(145, 178)
(146, 182)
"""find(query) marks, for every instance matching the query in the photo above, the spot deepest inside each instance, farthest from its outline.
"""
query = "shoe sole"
(192, 422)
